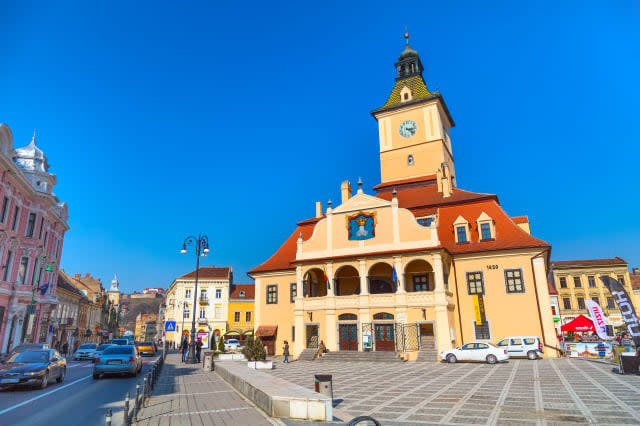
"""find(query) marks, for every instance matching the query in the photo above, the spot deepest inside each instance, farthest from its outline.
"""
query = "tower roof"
(115, 283)
(31, 157)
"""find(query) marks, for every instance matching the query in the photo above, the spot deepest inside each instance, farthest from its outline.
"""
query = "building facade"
(419, 264)
(241, 311)
(66, 315)
(146, 327)
(33, 223)
(579, 280)
(211, 307)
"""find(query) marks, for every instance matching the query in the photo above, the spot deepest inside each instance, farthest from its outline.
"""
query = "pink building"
(33, 223)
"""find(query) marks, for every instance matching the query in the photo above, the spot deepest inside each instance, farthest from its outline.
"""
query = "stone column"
(364, 290)
(442, 326)
(298, 322)
(397, 263)
(7, 332)
(331, 334)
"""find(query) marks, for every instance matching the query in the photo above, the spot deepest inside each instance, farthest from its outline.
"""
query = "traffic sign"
(170, 326)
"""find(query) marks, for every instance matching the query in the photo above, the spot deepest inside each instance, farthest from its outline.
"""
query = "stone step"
(308, 355)
(379, 356)
(427, 355)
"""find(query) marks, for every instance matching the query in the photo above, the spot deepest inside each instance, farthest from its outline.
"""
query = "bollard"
(145, 390)
(107, 419)
(135, 404)
(126, 409)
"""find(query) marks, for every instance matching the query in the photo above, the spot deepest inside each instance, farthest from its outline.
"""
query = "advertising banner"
(478, 306)
(204, 338)
(626, 308)
(588, 350)
(598, 319)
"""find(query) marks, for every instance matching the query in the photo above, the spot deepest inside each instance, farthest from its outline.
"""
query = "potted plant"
(256, 355)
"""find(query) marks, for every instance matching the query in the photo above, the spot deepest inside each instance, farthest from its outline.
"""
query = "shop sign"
(588, 350)
(556, 319)
(204, 338)
(478, 306)
(366, 340)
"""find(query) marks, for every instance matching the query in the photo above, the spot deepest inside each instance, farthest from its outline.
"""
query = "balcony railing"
(420, 298)
(204, 301)
(202, 320)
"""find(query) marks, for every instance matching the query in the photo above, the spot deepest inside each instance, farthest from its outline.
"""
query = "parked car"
(33, 368)
(24, 348)
(120, 342)
(475, 351)
(145, 348)
(522, 346)
(85, 351)
(231, 344)
(100, 349)
(118, 359)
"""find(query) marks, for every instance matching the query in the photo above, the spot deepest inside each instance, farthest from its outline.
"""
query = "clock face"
(408, 128)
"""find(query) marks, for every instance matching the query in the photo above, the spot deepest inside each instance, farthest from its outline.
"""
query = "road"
(78, 400)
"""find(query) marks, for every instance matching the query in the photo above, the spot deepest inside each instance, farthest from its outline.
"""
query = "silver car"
(85, 351)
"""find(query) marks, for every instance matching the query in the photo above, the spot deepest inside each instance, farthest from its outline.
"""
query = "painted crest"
(361, 226)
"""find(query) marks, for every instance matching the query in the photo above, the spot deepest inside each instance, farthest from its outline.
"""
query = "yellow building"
(418, 265)
(241, 307)
(579, 280)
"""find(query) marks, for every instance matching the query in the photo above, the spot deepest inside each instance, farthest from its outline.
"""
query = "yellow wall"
(243, 308)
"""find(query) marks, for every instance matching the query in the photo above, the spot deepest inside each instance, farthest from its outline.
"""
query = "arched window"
(347, 317)
(410, 157)
(406, 96)
(383, 316)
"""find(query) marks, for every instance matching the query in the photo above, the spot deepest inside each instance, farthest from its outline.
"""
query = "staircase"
(379, 356)
(428, 351)
(307, 355)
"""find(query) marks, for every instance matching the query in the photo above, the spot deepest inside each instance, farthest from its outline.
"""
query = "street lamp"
(202, 249)
(48, 261)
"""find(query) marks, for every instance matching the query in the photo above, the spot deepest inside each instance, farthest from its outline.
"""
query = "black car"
(23, 348)
(33, 368)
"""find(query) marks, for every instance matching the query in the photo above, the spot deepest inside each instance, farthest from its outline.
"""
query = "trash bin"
(324, 385)
(629, 363)
(207, 361)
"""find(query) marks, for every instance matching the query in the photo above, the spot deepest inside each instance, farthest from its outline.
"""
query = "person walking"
(286, 352)
(198, 349)
(65, 349)
(184, 347)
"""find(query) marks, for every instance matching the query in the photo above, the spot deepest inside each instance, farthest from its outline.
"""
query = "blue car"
(122, 359)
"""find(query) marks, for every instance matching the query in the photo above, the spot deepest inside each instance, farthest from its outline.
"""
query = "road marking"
(6, 410)
(191, 413)
(79, 365)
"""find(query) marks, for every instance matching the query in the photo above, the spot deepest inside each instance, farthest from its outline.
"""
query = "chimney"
(445, 184)
(636, 271)
(345, 190)
(318, 208)
(86, 275)
(77, 275)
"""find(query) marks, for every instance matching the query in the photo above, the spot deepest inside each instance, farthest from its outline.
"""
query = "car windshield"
(232, 341)
(28, 348)
(32, 356)
(88, 346)
(119, 341)
(103, 347)
(118, 350)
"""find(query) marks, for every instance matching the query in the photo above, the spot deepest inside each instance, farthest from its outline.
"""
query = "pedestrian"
(286, 352)
(198, 349)
(322, 349)
(184, 347)
(65, 349)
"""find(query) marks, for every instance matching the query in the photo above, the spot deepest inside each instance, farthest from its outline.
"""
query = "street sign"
(170, 326)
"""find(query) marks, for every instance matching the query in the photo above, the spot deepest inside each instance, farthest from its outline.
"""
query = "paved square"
(542, 392)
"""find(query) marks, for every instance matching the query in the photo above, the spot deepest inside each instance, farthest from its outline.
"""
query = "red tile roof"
(210, 272)
(249, 291)
(590, 262)
(266, 330)
(520, 219)
(552, 288)
(388, 186)
(424, 199)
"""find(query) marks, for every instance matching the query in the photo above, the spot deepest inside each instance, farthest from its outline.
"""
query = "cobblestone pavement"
(187, 395)
(542, 392)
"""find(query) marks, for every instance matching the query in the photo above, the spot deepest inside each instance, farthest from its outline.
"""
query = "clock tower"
(413, 126)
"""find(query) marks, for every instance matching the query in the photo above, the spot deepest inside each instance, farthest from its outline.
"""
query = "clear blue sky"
(162, 120)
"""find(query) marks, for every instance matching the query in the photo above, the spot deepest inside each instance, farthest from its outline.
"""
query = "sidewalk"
(187, 395)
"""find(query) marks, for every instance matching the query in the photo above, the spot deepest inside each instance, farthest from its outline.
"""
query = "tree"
(221, 345)
(253, 349)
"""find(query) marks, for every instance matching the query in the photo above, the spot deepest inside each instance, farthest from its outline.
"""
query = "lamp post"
(48, 261)
(201, 244)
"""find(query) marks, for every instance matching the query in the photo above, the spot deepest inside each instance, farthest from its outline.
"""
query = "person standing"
(184, 347)
(65, 349)
(198, 349)
(286, 352)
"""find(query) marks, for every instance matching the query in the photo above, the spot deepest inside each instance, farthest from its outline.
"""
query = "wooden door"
(385, 337)
(348, 337)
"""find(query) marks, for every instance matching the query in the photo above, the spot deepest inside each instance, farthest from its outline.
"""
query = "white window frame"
(486, 219)
(461, 221)
(218, 293)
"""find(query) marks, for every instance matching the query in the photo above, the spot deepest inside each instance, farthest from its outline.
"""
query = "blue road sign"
(170, 326)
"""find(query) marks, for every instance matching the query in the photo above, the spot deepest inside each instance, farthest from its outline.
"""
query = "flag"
(395, 276)
(324, 271)
(43, 288)
(598, 319)
(626, 308)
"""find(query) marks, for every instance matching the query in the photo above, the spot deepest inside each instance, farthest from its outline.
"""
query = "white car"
(475, 351)
(529, 346)
(85, 351)
(231, 344)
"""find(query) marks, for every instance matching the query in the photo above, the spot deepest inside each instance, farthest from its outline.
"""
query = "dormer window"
(410, 160)
(425, 221)
(406, 96)
(486, 228)
(242, 294)
(461, 230)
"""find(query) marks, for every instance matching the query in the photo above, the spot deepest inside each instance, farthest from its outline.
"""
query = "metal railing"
(143, 392)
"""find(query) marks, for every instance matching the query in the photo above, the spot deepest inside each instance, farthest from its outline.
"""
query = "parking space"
(558, 391)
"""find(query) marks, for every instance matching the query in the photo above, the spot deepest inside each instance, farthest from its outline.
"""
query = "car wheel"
(532, 355)
(451, 359)
(62, 374)
(45, 380)
(96, 376)
(491, 359)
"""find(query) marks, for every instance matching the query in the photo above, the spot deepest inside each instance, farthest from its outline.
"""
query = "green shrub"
(253, 349)
(221, 345)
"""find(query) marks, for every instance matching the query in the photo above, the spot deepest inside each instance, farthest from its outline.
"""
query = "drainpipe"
(455, 278)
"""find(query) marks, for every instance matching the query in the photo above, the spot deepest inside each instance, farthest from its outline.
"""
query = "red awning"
(266, 330)
(581, 323)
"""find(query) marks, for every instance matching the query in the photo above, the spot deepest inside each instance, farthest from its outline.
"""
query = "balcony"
(202, 320)
(203, 301)
(410, 299)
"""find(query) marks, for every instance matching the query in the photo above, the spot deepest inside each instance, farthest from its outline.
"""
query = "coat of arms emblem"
(361, 226)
